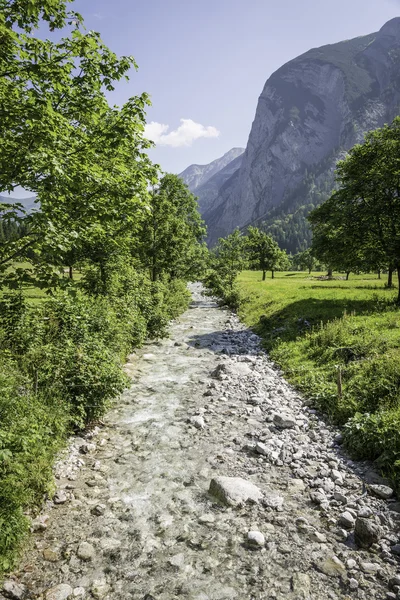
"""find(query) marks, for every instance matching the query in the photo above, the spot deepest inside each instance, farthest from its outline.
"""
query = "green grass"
(338, 342)
(35, 295)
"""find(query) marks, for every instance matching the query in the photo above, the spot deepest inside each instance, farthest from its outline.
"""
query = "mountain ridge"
(311, 111)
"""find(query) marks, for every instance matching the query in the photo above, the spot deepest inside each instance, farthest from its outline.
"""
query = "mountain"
(28, 203)
(310, 113)
(196, 176)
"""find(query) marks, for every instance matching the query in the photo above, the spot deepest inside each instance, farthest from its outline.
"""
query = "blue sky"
(207, 61)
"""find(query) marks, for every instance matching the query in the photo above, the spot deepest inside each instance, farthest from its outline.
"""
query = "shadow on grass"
(352, 287)
(298, 318)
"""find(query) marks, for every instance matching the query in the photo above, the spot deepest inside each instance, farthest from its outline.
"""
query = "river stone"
(100, 589)
(366, 532)
(353, 584)
(40, 523)
(59, 592)
(301, 585)
(284, 421)
(198, 422)
(50, 555)
(60, 497)
(273, 501)
(318, 537)
(369, 568)
(234, 491)
(14, 590)
(381, 491)
(85, 551)
(256, 538)
(98, 510)
(346, 520)
(333, 567)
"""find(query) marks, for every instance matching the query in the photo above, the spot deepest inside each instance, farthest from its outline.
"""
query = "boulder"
(366, 532)
(234, 491)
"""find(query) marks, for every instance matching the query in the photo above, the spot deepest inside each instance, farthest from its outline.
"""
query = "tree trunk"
(379, 274)
(309, 271)
(272, 274)
(71, 273)
(264, 275)
(347, 275)
(329, 273)
(390, 278)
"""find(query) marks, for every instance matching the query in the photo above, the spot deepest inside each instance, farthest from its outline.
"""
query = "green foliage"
(320, 331)
(304, 261)
(172, 233)
(364, 213)
(264, 253)
(32, 428)
(227, 260)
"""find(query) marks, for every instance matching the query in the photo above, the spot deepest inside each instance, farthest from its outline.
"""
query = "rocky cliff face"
(197, 175)
(310, 112)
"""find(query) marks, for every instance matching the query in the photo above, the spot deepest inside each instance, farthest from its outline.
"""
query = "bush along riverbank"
(338, 342)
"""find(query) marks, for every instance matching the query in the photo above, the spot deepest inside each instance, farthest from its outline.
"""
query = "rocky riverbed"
(211, 479)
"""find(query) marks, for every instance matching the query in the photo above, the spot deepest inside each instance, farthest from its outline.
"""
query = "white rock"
(85, 551)
(198, 422)
(100, 589)
(256, 538)
(60, 497)
(177, 561)
(235, 490)
(13, 589)
(368, 567)
(353, 584)
(318, 537)
(382, 491)
(333, 567)
(284, 421)
(59, 592)
(346, 520)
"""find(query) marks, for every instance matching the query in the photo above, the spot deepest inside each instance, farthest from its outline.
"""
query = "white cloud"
(187, 132)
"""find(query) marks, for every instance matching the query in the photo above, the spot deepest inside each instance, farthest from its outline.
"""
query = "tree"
(305, 260)
(60, 139)
(229, 258)
(264, 253)
(172, 234)
(359, 226)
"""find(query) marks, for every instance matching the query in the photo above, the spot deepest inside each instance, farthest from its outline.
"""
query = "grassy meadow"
(338, 342)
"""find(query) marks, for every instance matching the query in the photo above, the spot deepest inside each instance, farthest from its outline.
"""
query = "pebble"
(368, 567)
(353, 584)
(59, 592)
(14, 590)
(346, 520)
(60, 497)
(284, 421)
(85, 551)
(256, 538)
(333, 567)
(198, 422)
